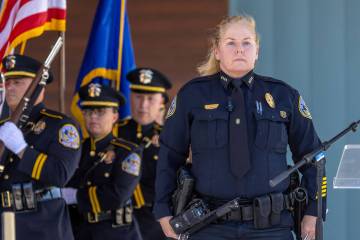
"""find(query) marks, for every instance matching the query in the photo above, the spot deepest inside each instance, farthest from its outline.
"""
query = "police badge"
(146, 76)
(94, 90)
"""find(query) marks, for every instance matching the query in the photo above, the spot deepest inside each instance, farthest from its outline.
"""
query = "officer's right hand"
(166, 227)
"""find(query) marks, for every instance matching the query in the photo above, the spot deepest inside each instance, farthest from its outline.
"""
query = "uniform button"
(88, 183)
(156, 157)
(11, 160)
(107, 174)
(6, 177)
(237, 121)
(92, 153)
(138, 135)
(31, 146)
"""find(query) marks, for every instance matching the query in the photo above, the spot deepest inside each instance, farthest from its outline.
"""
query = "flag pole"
(62, 82)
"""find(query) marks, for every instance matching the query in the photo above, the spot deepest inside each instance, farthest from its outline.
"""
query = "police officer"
(238, 124)
(148, 96)
(108, 173)
(40, 158)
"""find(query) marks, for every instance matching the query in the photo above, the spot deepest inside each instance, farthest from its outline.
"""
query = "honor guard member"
(39, 159)
(239, 125)
(108, 173)
(148, 96)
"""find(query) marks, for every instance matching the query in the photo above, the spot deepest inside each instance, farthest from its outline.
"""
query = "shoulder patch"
(172, 108)
(131, 164)
(69, 136)
(51, 114)
(303, 109)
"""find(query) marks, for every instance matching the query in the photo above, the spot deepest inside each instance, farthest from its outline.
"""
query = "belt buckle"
(92, 217)
(6, 199)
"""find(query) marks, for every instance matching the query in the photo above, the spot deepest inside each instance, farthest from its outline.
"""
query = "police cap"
(148, 80)
(95, 95)
(19, 66)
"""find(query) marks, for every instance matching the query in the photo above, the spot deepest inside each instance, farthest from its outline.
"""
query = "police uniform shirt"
(130, 130)
(198, 118)
(108, 186)
(49, 160)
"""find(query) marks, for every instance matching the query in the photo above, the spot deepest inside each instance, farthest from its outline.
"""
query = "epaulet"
(52, 114)
(201, 79)
(119, 142)
(273, 80)
(4, 120)
(123, 122)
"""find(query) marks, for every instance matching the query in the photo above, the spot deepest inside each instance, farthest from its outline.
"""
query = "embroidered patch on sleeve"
(172, 108)
(131, 164)
(69, 136)
(304, 110)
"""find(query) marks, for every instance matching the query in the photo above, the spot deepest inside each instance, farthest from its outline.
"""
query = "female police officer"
(238, 124)
(108, 173)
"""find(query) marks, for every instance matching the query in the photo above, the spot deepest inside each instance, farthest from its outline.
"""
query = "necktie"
(239, 148)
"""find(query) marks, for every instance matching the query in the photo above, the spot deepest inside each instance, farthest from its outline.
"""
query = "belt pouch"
(17, 194)
(29, 195)
(262, 210)
(277, 205)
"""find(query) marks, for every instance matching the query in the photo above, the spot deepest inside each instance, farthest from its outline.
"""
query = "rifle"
(22, 112)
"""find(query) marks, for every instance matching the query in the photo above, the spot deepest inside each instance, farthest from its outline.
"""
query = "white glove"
(69, 195)
(12, 137)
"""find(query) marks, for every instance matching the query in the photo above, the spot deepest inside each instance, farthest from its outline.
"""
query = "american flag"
(21, 20)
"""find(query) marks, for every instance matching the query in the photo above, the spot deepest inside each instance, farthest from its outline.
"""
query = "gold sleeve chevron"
(94, 201)
(139, 198)
(38, 166)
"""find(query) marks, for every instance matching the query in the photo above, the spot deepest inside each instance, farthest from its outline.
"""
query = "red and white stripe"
(18, 17)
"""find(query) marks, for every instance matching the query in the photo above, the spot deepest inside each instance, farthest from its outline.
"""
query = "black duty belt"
(246, 209)
(9, 200)
(98, 217)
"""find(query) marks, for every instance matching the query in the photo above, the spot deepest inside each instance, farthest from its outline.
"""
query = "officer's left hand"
(69, 195)
(12, 137)
(308, 226)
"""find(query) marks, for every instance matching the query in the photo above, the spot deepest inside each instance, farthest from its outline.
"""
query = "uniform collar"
(248, 79)
(97, 145)
(35, 112)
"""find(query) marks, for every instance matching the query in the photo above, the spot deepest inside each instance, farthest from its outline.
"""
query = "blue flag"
(109, 54)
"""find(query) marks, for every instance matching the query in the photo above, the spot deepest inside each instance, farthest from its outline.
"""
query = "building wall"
(167, 35)
(313, 45)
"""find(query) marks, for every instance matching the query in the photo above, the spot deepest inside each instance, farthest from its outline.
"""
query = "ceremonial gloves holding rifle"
(12, 137)
(69, 195)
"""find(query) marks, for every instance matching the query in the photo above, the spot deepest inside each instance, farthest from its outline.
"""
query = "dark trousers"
(241, 231)
(150, 228)
(105, 230)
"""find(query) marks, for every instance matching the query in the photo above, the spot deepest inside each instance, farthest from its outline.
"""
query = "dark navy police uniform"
(144, 193)
(146, 81)
(105, 187)
(198, 118)
(30, 185)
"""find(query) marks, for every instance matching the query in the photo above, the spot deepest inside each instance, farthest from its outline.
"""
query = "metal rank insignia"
(270, 100)
(39, 127)
(146, 76)
(94, 90)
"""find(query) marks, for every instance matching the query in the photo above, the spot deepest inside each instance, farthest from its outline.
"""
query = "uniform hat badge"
(146, 76)
(10, 62)
(94, 90)
(270, 100)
